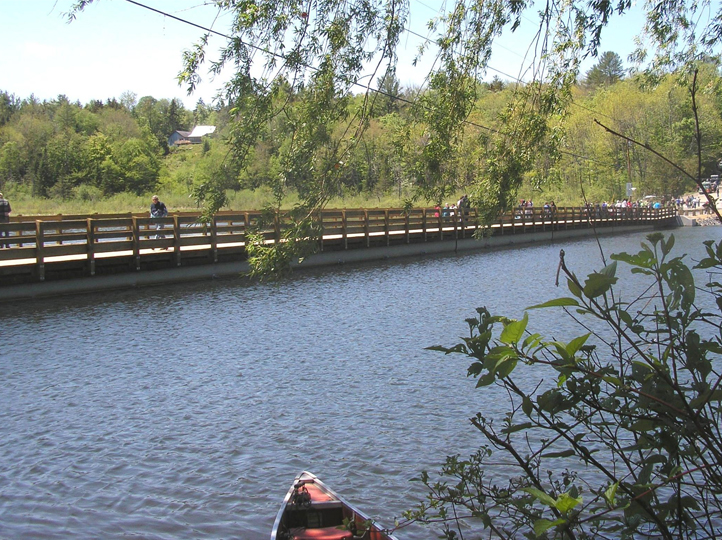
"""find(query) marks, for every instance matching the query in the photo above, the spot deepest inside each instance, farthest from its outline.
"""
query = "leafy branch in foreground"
(619, 437)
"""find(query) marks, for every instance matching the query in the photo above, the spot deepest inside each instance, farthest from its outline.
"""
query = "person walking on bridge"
(158, 210)
(5, 217)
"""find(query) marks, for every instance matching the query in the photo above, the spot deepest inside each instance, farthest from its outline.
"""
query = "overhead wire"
(365, 87)
(282, 57)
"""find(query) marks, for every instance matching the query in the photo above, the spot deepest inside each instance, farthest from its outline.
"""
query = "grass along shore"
(26, 205)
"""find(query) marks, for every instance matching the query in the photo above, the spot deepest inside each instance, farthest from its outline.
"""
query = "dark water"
(186, 411)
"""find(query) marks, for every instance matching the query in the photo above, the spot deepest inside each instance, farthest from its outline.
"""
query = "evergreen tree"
(607, 71)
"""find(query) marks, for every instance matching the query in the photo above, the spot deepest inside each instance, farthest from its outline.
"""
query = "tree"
(386, 100)
(129, 100)
(9, 104)
(620, 438)
(607, 71)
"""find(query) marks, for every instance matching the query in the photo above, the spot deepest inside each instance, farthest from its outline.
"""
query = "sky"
(115, 47)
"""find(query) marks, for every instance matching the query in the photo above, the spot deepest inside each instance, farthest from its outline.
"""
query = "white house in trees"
(190, 137)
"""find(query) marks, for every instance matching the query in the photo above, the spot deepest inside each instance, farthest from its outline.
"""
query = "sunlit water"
(186, 411)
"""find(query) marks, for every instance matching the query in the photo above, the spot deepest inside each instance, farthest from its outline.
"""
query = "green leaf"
(643, 425)
(565, 502)
(505, 367)
(642, 259)
(562, 454)
(440, 348)
(516, 427)
(610, 270)
(514, 331)
(539, 495)
(543, 525)
(527, 405)
(668, 245)
(574, 288)
(531, 340)
(557, 302)
(574, 345)
(610, 494)
(705, 398)
(486, 380)
(597, 284)
(707, 263)
(614, 381)
(460, 348)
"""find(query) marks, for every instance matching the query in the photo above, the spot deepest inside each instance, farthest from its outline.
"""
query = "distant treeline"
(64, 149)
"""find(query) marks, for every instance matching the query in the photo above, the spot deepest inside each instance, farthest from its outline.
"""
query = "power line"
(281, 56)
(355, 83)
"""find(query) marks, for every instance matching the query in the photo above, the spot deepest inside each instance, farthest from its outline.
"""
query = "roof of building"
(199, 131)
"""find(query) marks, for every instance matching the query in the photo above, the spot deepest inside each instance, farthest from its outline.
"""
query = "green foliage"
(626, 441)
(54, 147)
(273, 262)
(607, 71)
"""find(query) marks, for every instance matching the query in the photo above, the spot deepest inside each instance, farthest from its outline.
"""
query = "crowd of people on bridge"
(459, 209)
(526, 208)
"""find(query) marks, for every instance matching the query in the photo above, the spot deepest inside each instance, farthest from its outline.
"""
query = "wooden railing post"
(39, 249)
(177, 240)
(322, 231)
(344, 231)
(136, 242)
(366, 228)
(423, 222)
(214, 238)
(387, 228)
(90, 241)
(408, 241)
(246, 226)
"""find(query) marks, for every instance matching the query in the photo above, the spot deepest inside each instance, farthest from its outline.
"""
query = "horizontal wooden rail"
(122, 242)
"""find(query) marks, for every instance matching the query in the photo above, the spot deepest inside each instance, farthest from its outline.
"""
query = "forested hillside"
(62, 149)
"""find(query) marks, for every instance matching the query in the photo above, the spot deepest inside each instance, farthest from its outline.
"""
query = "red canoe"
(313, 511)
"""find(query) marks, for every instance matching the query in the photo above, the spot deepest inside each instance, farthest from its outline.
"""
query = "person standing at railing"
(158, 210)
(5, 216)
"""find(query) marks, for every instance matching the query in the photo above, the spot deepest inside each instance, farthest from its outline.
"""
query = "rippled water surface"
(186, 411)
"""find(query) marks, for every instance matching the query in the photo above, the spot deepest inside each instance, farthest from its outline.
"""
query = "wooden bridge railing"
(133, 239)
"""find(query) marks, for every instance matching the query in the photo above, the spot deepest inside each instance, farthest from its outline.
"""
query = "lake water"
(186, 411)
